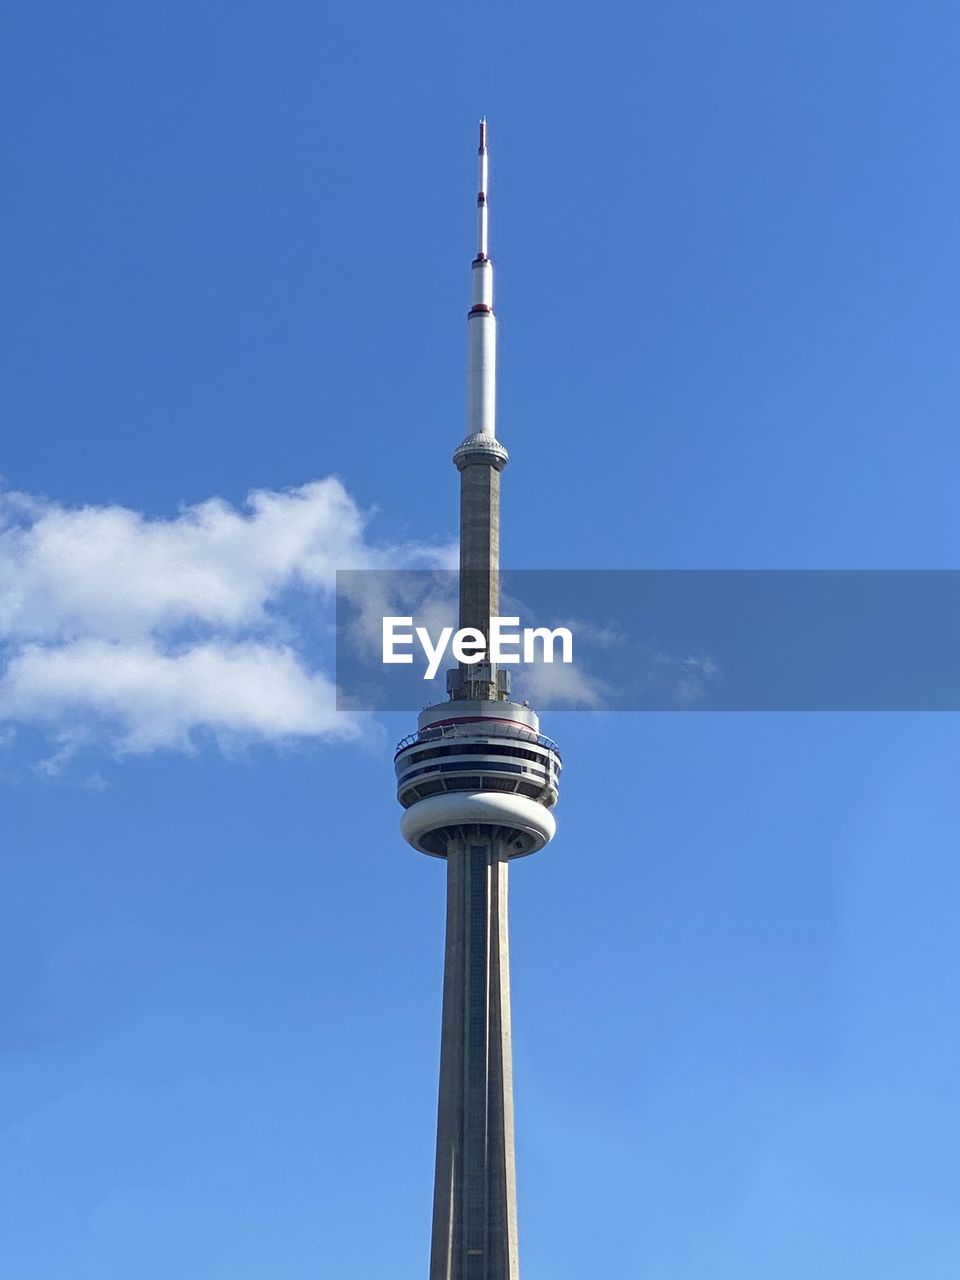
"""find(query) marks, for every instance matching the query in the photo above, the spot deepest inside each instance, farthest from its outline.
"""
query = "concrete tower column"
(475, 1197)
(479, 544)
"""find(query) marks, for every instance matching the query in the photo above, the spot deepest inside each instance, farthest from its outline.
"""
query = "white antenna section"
(481, 322)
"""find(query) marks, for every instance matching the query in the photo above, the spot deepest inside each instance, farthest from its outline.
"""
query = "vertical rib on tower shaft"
(475, 1203)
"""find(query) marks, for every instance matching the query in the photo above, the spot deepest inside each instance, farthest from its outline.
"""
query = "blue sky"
(235, 241)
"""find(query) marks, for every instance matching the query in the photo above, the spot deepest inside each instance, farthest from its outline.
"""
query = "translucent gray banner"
(754, 640)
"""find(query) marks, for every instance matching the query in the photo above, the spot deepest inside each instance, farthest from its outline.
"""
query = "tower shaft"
(479, 544)
(475, 1203)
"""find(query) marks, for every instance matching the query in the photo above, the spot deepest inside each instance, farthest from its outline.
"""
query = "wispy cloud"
(138, 633)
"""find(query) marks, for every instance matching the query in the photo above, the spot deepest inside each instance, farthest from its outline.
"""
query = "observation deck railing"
(478, 729)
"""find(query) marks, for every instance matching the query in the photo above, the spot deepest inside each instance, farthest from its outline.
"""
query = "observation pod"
(478, 767)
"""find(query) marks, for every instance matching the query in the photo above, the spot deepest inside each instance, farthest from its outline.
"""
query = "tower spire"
(481, 322)
(482, 179)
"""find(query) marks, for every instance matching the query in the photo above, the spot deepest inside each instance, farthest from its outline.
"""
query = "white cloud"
(140, 633)
(112, 572)
(241, 690)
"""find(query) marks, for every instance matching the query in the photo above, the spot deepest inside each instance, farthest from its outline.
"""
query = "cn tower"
(478, 783)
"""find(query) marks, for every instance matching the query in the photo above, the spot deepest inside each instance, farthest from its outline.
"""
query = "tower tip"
(483, 133)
